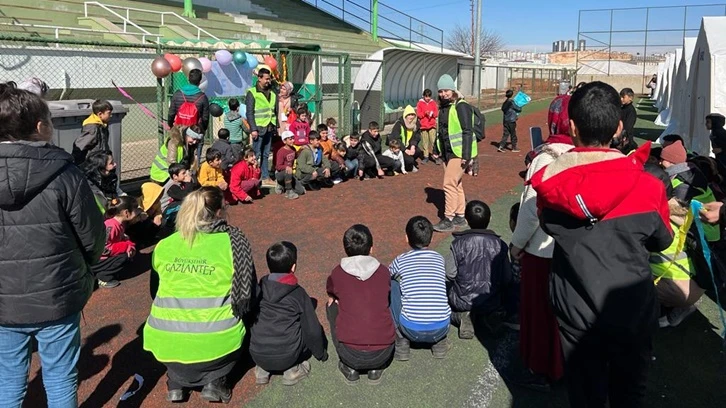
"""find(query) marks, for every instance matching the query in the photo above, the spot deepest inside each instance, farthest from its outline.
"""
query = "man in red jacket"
(361, 324)
(428, 112)
(606, 215)
(244, 179)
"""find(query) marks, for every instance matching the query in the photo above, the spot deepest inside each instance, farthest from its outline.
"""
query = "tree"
(460, 40)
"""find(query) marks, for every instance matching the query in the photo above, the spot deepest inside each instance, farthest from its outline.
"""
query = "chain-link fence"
(538, 83)
(88, 69)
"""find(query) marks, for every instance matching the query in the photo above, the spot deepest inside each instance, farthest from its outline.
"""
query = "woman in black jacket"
(51, 232)
(407, 130)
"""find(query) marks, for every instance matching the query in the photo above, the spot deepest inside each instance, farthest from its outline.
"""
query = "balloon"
(190, 64)
(174, 61)
(271, 62)
(252, 61)
(206, 64)
(204, 84)
(224, 57)
(215, 110)
(240, 57)
(160, 67)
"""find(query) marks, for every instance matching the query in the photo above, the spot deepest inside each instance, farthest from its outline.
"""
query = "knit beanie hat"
(674, 153)
(446, 82)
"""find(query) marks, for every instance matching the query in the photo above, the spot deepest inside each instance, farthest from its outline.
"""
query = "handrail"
(409, 33)
(58, 29)
(109, 7)
(125, 20)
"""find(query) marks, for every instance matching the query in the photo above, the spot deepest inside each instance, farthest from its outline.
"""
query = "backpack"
(478, 122)
(188, 114)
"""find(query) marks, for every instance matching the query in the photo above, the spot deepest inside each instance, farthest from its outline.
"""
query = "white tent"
(707, 80)
(680, 108)
(665, 94)
(664, 116)
(659, 84)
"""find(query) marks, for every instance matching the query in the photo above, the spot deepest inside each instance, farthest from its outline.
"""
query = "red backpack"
(188, 114)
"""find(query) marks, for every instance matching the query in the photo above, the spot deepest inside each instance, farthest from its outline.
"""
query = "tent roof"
(714, 30)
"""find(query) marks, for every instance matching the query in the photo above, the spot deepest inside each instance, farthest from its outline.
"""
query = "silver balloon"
(189, 64)
(204, 84)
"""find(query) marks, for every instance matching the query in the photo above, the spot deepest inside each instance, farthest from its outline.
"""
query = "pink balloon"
(206, 64)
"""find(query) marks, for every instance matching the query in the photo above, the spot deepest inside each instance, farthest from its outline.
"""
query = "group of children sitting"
(375, 312)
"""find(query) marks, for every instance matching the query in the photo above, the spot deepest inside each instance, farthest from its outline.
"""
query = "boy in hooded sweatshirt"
(361, 325)
(94, 133)
(427, 112)
(407, 130)
(287, 331)
(234, 121)
(606, 215)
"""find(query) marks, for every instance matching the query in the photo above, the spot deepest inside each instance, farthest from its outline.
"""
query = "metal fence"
(77, 69)
(538, 83)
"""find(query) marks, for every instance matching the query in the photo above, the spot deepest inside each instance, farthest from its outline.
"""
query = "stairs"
(255, 27)
(99, 23)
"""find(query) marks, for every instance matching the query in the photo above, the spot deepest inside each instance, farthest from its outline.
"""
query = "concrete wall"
(636, 82)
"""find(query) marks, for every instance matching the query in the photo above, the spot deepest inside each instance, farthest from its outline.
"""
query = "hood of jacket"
(233, 115)
(94, 120)
(588, 183)
(556, 149)
(190, 90)
(360, 266)
(274, 291)
(27, 170)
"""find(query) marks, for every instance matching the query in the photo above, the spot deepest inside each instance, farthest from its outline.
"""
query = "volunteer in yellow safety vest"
(407, 130)
(457, 145)
(203, 280)
(261, 103)
(176, 149)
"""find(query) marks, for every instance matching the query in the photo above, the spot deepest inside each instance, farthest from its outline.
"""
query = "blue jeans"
(262, 151)
(352, 166)
(59, 346)
(429, 336)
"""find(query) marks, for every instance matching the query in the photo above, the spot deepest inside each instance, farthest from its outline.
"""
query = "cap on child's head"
(287, 135)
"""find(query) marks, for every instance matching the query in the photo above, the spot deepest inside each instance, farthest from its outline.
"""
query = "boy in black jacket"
(371, 161)
(94, 133)
(287, 330)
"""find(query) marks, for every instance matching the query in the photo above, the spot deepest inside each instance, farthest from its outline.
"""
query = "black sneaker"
(445, 225)
(459, 222)
(109, 284)
(217, 391)
(403, 348)
(375, 376)
(351, 375)
(175, 395)
(312, 186)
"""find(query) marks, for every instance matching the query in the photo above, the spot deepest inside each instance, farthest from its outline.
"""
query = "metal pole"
(374, 19)
(645, 47)
(577, 53)
(610, 42)
(477, 50)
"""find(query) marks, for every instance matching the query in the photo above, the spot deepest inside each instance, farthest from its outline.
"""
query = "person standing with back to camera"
(457, 145)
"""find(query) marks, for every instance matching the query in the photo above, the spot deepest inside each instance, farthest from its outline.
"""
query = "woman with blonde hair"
(203, 280)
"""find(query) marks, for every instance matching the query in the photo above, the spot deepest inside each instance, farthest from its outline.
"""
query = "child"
(372, 162)
(210, 174)
(180, 184)
(407, 130)
(478, 267)
(332, 125)
(420, 309)
(244, 179)
(313, 168)
(286, 331)
(234, 122)
(301, 127)
(394, 152)
(511, 114)
(285, 161)
(94, 134)
(222, 144)
(361, 325)
(427, 112)
(325, 144)
(345, 168)
(119, 249)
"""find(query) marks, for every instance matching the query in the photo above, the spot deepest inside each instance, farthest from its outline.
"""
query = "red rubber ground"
(112, 351)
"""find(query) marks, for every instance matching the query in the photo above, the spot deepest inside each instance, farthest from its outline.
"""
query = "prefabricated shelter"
(664, 96)
(679, 111)
(707, 82)
(664, 116)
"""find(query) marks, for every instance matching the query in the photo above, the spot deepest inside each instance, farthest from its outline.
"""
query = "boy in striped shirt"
(419, 304)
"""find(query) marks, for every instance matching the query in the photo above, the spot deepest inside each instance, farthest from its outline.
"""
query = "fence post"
(160, 101)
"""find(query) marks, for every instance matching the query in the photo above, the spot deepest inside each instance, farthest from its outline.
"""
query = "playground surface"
(687, 371)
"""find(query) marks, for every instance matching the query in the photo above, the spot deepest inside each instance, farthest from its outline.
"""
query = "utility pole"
(477, 47)
(471, 8)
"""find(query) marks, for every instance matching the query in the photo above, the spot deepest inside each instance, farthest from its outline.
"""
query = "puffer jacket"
(51, 231)
(482, 270)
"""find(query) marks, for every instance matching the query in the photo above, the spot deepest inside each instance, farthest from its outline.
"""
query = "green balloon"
(240, 57)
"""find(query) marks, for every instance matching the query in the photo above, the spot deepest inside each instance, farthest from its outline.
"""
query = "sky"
(530, 24)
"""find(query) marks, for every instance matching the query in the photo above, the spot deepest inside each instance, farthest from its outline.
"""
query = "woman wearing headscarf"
(407, 130)
(203, 282)
(285, 106)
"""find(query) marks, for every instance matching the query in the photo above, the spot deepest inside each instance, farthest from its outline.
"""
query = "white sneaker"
(337, 180)
(663, 322)
(679, 314)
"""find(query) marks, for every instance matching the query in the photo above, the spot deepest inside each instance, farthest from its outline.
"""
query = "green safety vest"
(712, 232)
(264, 109)
(159, 168)
(191, 318)
(100, 203)
(456, 137)
(406, 135)
(668, 264)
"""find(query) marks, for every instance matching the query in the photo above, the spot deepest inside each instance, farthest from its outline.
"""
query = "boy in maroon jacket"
(361, 324)
(284, 163)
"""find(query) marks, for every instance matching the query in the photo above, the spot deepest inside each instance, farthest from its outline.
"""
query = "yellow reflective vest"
(264, 109)
(456, 136)
(670, 263)
(159, 168)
